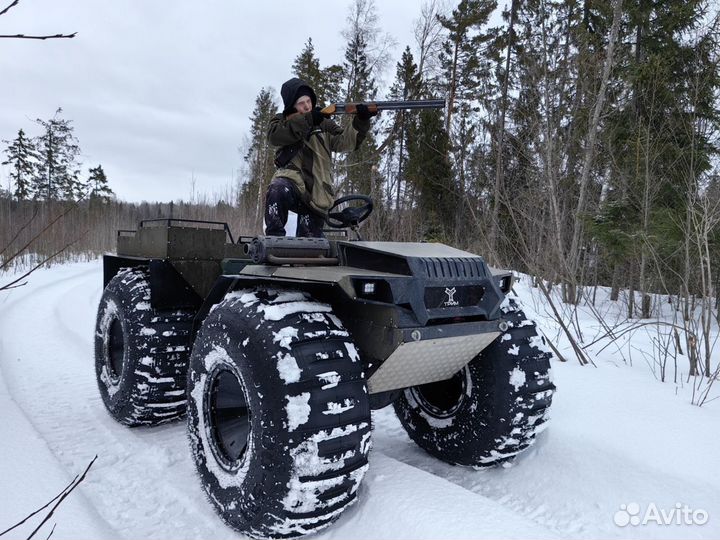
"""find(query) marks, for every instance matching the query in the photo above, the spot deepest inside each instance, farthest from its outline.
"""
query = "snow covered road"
(617, 437)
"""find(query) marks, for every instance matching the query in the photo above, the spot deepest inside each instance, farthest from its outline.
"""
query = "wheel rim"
(228, 418)
(116, 350)
(442, 399)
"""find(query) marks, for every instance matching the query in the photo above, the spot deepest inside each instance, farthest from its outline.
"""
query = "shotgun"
(374, 106)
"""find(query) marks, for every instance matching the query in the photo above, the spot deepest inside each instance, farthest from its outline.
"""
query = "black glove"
(365, 114)
(318, 116)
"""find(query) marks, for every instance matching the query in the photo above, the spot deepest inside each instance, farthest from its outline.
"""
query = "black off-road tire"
(278, 413)
(141, 354)
(493, 408)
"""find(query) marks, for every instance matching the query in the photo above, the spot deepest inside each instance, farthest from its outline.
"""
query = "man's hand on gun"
(318, 116)
(364, 113)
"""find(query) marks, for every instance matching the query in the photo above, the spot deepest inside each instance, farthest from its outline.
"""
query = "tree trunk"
(501, 136)
(592, 138)
(631, 294)
(692, 354)
(570, 291)
(551, 174)
(400, 159)
(646, 306)
(643, 288)
(453, 87)
(615, 290)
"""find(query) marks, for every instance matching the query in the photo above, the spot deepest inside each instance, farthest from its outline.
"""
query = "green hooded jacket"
(311, 167)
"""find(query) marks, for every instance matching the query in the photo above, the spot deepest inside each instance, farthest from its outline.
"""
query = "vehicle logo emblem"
(451, 300)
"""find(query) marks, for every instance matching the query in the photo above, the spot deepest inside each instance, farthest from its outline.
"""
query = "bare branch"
(554, 348)
(12, 285)
(579, 353)
(20, 230)
(38, 235)
(55, 36)
(64, 495)
(55, 498)
(12, 5)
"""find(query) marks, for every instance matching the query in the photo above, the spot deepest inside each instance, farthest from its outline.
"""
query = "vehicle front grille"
(453, 267)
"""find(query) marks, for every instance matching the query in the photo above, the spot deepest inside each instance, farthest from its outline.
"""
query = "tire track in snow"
(403, 502)
(15, 296)
(144, 482)
(77, 517)
(565, 483)
(78, 326)
(390, 438)
(36, 307)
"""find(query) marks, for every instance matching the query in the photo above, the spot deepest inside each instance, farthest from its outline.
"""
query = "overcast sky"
(159, 91)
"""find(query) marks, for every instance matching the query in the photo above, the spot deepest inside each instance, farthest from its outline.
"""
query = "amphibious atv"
(278, 349)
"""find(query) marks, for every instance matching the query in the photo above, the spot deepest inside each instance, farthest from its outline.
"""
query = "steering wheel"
(350, 216)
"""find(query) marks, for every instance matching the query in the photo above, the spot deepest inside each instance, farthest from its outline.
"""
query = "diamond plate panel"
(427, 361)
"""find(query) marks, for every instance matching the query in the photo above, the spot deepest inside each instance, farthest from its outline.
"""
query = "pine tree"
(359, 82)
(361, 166)
(58, 171)
(307, 67)
(407, 85)
(97, 185)
(429, 169)
(259, 157)
(22, 158)
(462, 58)
(469, 88)
(325, 81)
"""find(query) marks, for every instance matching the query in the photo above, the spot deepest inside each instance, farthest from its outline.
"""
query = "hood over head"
(293, 90)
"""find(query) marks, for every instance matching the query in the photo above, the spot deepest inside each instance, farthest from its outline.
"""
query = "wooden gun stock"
(374, 106)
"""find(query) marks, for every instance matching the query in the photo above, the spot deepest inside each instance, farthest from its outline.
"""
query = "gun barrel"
(351, 108)
(416, 104)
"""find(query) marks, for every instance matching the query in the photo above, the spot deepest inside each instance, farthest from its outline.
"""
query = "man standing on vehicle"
(306, 139)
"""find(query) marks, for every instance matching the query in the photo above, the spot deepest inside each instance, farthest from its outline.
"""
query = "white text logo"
(451, 300)
(680, 514)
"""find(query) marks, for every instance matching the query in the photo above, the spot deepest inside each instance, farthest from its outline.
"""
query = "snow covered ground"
(621, 447)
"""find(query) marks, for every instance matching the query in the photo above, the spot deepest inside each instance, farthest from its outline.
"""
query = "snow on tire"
(141, 354)
(278, 413)
(493, 408)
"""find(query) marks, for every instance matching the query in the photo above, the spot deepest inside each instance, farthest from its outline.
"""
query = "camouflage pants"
(282, 197)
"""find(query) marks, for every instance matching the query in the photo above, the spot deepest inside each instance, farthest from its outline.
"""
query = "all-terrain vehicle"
(279, 348)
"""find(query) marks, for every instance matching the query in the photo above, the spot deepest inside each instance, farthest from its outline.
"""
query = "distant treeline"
(88, 228)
